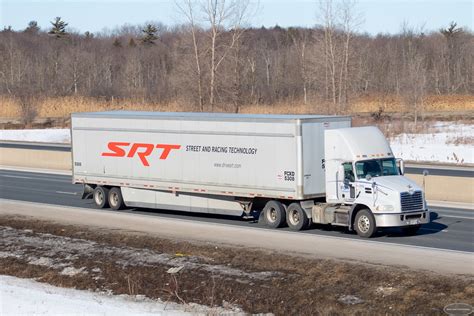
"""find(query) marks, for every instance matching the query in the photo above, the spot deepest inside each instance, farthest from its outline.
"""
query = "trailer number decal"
(142, 150)
(289, 175)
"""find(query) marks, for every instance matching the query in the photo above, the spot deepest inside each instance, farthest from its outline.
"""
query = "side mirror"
(401, 166)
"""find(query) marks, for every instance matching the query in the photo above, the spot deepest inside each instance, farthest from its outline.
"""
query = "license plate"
(413, 222)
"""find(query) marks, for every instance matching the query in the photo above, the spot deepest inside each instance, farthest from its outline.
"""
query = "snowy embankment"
(54, 135)
(447, 142)
(28, 297)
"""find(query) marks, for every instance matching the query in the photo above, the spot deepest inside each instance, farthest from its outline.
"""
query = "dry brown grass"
(63, 106)
(291, 285)
(432, 103)
(461, 140)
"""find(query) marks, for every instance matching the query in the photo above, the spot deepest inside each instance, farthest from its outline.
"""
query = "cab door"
(347, 187)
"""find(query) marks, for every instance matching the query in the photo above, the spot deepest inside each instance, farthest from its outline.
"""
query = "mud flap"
(87, 192)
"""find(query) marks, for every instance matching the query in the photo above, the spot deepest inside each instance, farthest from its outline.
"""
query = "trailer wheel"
(410, 230)
(116, 199)
(296, 217)
(101, 196)
(365, 223)
(275, 214)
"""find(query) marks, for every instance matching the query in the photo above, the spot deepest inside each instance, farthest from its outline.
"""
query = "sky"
(379, 16)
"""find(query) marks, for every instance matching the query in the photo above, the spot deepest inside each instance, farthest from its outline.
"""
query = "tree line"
(213, 59)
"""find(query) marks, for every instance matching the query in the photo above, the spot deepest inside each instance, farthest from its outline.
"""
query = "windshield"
(376, 168)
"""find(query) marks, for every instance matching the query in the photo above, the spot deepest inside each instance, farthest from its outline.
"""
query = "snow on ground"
(55, 135)
(449, 143)
(28, 297)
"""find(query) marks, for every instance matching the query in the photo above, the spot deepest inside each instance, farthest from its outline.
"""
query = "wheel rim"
(363, 223)
(294, 217)
(272, 215)
(114, 198)
(99, 197)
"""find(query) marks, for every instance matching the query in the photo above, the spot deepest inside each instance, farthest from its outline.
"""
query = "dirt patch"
(252, 280)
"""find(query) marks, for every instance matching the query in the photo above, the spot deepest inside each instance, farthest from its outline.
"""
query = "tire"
(364, 223)
(116, 199)
(274, 214)
(101, 197)
(296, 217)
(410, 230)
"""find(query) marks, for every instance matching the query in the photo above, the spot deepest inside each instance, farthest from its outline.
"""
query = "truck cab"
(363, 176)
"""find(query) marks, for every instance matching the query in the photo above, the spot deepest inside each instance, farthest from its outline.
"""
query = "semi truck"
(291, 170)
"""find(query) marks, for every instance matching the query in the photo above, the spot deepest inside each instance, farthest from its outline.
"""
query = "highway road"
(451, 228)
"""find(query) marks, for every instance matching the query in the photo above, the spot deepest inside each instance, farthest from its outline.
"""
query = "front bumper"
(402, 219)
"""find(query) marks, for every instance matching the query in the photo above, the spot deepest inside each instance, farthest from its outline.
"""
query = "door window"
(348, 172)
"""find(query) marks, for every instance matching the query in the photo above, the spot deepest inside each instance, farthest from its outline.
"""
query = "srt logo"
(118, 149)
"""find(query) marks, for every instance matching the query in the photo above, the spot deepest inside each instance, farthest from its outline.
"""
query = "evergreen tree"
(59, 28)
(132, 43)
(89, 35)
(32, 27)
(117, 43)
(149, 35)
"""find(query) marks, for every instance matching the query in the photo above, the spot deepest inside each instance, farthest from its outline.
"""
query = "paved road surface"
(450, 229)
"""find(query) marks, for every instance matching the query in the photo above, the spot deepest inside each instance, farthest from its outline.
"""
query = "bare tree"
(414, 76)
(188, 10)
(340, 21)
(300, 40)
(328, 16)
(224, 20)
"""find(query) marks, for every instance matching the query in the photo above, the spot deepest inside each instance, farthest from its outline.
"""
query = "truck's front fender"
(353, 211)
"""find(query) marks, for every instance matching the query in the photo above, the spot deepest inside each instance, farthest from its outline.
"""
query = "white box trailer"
(214, 163)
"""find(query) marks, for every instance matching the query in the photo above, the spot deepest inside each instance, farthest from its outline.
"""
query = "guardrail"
(35, 145)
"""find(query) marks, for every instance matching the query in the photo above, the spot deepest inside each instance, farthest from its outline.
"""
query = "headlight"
(385, 208)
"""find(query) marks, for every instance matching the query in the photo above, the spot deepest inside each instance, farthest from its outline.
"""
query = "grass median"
(251, 280)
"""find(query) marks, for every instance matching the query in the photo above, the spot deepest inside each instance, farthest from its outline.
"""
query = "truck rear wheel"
(116, 199)
(101, 196)
(275, 214)
(296, 217)
(365, 223)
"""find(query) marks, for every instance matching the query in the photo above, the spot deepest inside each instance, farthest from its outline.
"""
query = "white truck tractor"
(290, 169)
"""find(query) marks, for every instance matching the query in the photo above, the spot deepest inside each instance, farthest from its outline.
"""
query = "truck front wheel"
(275, 214)
(116, 199)
(101, 196)
(296, 217)
(365, 223)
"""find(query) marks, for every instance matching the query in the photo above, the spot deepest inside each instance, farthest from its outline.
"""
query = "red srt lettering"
(148, 148)
(118, 149)
(115, 147)
(167, 149)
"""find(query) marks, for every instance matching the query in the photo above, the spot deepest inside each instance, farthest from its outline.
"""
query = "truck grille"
(411, 202)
